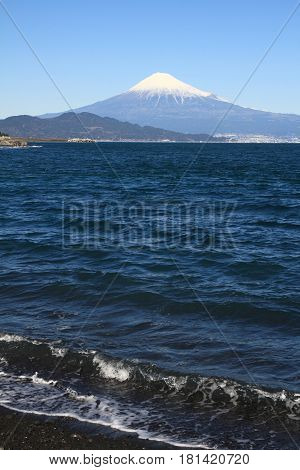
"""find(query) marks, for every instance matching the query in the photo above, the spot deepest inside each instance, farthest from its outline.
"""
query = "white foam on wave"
(76, 396)
(58, 352)
(112, 370)
(10, 338)
(40, 381)
(174, 383)
(36, 379)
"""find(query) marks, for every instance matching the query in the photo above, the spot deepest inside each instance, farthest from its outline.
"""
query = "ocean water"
(154, 289)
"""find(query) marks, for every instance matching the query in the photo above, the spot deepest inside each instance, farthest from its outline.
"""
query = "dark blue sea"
(154, 289)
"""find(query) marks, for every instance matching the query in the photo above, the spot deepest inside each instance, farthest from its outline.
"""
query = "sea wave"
(92, 366)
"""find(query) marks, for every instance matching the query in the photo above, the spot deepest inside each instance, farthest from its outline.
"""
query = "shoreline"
(22, 431)
(222, 142)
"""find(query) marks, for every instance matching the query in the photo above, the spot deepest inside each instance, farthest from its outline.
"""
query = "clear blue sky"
(94, 49)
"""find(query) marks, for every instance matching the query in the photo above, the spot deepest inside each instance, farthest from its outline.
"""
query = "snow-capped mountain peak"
(165, 84)
(164, 102)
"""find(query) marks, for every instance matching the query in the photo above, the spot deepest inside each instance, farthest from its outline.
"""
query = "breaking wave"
(44, 378)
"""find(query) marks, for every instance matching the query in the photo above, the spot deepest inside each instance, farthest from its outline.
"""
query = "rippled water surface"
(153, 297)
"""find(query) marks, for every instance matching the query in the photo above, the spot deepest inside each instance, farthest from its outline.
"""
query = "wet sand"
(27, 431)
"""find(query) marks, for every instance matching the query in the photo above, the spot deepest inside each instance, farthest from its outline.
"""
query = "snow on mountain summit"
(165, 84)
(164, 102)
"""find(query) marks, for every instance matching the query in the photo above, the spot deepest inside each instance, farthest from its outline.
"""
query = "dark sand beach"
(30, 432)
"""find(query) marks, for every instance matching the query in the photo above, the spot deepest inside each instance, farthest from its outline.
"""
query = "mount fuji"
(162, 100)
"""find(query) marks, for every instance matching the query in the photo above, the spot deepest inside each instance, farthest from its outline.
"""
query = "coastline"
(22, 431)
(7, 141)
(139, 141)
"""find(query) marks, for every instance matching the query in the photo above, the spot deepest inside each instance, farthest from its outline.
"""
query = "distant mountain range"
(87, 125)
(165, 102)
